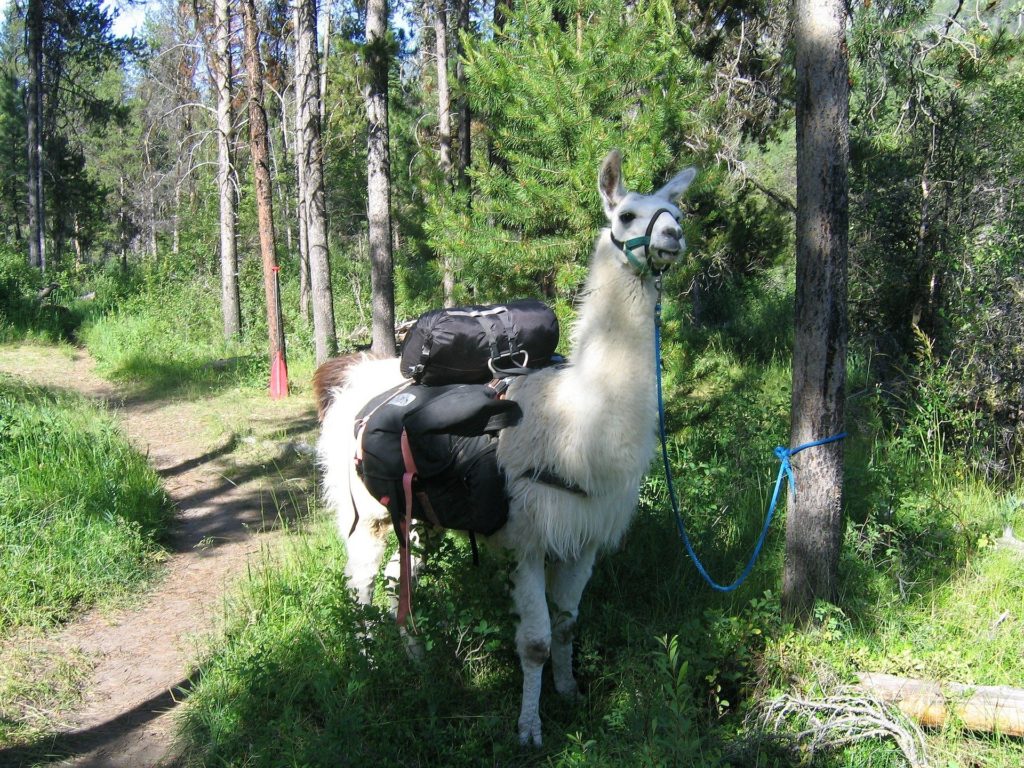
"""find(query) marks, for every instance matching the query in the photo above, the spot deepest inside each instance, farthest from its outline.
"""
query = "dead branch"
(839, 720)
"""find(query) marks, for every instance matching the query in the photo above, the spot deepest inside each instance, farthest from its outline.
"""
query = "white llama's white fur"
(591, 423)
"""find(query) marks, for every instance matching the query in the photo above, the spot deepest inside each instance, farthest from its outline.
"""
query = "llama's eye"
(627, 217)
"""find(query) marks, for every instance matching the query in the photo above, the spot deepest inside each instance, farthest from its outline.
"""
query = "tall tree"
(444, 128)
(34, 135)
(229, 301)
(465, 158)
(309, 155)
(814, 522)
(378, 180)
(444, 98)
(264, 193)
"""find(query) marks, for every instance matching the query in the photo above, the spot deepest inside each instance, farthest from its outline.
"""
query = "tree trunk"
(465, 118)
(122, 225)
(378, 175)
(264, 194)
(814, 523)
(310, 158)
(326, 11)
(301, 205)
(34, 136)
(444, 129)
(305, 293)
(501, 12)
(284, 192)
(229, 300)
(444, 98)
(151, 200)
(175, 216)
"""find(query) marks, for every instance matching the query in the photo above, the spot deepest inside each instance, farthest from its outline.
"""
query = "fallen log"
(998, 709)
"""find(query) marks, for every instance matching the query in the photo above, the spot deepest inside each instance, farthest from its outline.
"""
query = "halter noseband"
(644, 265)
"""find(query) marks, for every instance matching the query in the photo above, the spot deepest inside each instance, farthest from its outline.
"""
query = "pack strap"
(547, 477)
(405, 528)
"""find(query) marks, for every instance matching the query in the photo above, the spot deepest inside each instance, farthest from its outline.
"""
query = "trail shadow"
(194, 463)
(300, 426)
(68, 745)
(238, 505)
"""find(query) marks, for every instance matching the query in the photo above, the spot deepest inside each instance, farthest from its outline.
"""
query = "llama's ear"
(677, 185)
(610, 182)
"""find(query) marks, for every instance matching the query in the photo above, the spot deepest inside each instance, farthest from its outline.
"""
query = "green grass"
(167, 340)
(669, 669)
(37, 680)
(81, 512)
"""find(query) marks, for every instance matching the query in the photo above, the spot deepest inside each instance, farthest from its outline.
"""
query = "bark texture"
(34, 136)
(311, 178)
(814, 523)
(465, 116)
(444, 97)
(229, 302)
(444, 127)
(261, 171)
(378, 173)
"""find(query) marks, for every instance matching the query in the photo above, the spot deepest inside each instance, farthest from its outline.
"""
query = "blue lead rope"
(783, 454)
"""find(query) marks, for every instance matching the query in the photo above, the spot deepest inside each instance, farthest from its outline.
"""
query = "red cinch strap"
(404, 554)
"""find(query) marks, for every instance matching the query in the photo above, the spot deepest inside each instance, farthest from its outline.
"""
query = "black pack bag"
(452, 435)
(478, 343)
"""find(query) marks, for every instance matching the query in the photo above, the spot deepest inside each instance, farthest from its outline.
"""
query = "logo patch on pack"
(402, 399)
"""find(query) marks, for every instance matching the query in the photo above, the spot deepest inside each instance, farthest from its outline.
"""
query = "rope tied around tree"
(785, 470)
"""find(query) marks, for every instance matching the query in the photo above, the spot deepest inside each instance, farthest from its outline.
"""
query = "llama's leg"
(365, 547)
(533, 640)
(424, 540)
(568, 578)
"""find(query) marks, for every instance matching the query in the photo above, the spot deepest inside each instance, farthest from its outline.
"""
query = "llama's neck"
(613, 341)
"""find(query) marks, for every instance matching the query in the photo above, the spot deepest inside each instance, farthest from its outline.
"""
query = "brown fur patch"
(328, 376)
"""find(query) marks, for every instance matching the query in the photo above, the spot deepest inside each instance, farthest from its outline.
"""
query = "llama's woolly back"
(590, 422)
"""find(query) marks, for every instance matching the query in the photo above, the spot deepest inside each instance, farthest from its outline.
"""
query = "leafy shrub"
(22, 314)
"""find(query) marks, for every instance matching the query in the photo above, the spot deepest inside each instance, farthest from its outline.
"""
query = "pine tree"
(554, 102)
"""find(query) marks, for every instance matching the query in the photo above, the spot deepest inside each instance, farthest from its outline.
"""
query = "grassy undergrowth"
(672, 673)
(669, 670)
(81, 512)
(167, 337)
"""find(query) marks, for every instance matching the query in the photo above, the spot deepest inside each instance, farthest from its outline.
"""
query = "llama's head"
(646, 228)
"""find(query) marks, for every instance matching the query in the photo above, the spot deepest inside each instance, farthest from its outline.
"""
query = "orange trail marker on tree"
(278, 368)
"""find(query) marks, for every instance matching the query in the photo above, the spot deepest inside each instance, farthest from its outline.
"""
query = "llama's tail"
(329, 377)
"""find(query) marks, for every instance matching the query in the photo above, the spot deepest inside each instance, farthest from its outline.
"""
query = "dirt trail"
(225, 492)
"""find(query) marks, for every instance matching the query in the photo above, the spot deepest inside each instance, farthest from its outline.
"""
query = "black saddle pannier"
(442, 440)
(479, 343)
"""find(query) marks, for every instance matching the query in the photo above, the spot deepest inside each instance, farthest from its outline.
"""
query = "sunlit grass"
(81, 512)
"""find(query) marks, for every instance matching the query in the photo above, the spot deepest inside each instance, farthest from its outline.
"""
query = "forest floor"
(235, 468)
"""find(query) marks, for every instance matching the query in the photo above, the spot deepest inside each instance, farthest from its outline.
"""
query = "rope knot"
(785, 468)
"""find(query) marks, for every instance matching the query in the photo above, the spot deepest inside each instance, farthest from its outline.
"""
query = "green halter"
(645, 265)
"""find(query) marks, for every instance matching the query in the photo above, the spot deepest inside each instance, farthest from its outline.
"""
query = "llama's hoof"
(529, 732)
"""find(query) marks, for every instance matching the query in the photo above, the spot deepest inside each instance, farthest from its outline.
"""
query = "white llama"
(575, 461)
